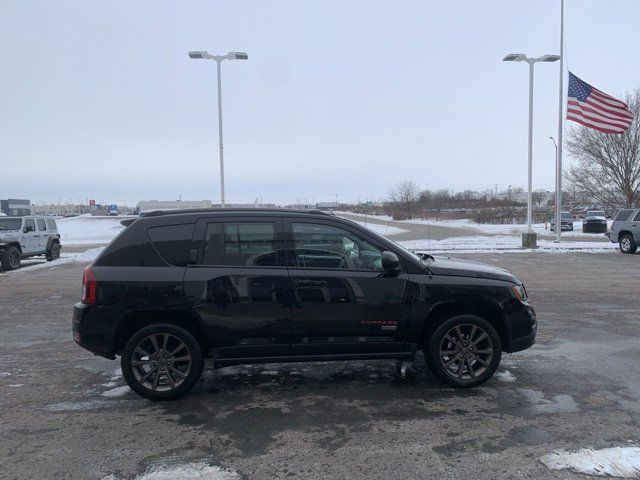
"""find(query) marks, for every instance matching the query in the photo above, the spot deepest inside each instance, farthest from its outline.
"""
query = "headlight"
(519, 292)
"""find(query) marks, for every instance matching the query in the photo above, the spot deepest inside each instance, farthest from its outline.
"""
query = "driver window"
(325, 246)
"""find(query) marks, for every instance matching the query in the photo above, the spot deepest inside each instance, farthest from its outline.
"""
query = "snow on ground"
(615, 462)
(381, 229)
(491, 229)
(502, 243)
(88, 230)
(511, 229)
(85, 257)
(186, 471)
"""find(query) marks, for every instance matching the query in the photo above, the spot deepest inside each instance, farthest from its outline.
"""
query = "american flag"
(595, 109)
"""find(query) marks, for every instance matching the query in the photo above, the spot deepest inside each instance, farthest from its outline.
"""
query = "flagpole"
(560, 129)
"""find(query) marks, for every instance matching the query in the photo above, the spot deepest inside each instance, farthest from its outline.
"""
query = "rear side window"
(173, 242)
(41, 225)
(241, 244)
(51, 224)
(637, 217)
(623, 215)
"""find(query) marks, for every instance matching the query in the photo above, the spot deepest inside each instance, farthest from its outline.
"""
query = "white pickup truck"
(22, 237)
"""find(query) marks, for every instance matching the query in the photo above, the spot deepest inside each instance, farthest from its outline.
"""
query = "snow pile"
(502, 243)
(187, 471)
(615, 462)
(381, 229)
(505, 376)
(88, 230)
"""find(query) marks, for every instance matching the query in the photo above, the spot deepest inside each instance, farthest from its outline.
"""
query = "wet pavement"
(65, 413)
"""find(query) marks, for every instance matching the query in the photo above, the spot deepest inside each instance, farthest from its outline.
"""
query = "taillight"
(89, 287)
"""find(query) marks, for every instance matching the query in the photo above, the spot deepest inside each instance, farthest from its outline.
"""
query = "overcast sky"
(99, 99)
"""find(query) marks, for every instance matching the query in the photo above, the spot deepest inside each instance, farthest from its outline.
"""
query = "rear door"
(42, 233)
(343, 302)
(238, 284)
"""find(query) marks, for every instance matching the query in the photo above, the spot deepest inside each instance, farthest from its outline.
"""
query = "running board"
(227, 362)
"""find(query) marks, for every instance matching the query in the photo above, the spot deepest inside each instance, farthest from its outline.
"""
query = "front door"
(30, 238)
(343, 301)
(239, 285)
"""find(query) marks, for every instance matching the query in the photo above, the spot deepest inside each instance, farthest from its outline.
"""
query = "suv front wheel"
(627, 244)
(464, 351)
(162, 362)
(11, 258)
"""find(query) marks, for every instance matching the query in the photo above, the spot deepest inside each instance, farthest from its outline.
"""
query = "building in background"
(149, 205)
(14, 207)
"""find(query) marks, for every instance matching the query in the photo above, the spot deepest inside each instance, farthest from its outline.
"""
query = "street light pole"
(529, 238)
(219, 59)
(529, 191)
(219, 69)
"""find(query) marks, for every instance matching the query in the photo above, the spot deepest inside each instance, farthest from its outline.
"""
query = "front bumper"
(522, 328)
(594, 227)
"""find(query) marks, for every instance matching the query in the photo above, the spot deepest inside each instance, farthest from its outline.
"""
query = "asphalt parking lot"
(65, 413)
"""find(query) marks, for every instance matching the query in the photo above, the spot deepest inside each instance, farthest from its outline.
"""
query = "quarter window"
(172, 241)
(51, 224)
(637, 217)
(326, 246)
(241, 244)
(623, 215)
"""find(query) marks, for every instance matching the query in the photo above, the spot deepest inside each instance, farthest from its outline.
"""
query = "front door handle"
(311, 283)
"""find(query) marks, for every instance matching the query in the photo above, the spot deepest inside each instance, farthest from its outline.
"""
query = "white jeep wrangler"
(22, 237)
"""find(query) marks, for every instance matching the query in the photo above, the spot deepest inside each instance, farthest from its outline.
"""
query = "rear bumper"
(87, 336)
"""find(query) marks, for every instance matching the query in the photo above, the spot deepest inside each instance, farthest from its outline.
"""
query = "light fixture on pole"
(219, 59)
(529, 239)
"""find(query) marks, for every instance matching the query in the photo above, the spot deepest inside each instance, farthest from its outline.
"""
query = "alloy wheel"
(625, 244)
(14, 259)
(466, 351)
(161, 362)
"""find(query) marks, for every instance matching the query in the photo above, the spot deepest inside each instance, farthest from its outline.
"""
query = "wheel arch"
(441, 312)
(134, 321)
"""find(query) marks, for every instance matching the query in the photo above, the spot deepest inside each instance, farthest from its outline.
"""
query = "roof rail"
(159, 213)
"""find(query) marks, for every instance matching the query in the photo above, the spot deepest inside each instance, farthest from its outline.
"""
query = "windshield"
(10, 224)
(566, 215)
(595, 214)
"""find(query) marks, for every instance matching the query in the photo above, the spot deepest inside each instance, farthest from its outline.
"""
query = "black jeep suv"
(250, 286)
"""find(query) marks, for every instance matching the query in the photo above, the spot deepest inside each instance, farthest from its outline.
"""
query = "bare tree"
(538, 196)
(439, 199)
(404, 196)
(608, 167)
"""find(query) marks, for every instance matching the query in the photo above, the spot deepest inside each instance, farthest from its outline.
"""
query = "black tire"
(445, 357)
(11, 258)
(628, 244)
(54, 252)
(158, 369)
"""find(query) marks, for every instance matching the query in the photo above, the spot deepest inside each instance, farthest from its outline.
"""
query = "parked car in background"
(566, 222)
(258, 286)
(594, 221)
(625, 230)
(22, 237)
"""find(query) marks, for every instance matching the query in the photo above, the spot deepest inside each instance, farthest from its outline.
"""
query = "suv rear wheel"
(11, 258)
(54, 252)
(162, 361)
(627, 244)
(464, 351)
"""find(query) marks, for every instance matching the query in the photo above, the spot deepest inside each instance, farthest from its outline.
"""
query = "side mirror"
(390, 260)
